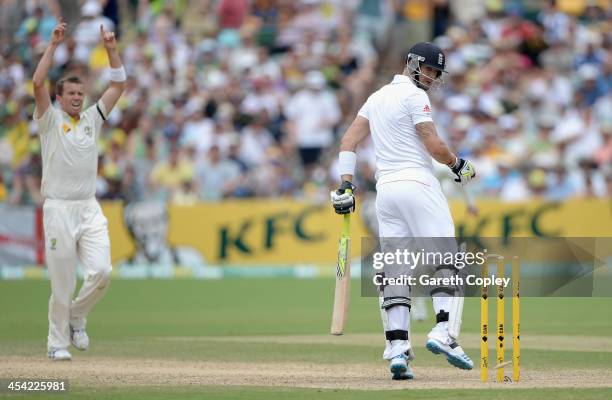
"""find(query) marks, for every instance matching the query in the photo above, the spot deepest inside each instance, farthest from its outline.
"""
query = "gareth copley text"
(426, 280)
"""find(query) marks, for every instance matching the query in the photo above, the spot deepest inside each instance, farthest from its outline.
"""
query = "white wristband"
(346, 162)
(118, 74)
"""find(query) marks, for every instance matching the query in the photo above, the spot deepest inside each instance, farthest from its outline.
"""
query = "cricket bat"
(343, 279)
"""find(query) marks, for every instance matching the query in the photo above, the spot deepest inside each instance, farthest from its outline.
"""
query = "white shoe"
(59, 355)
(439, 342)
(400, 369)
(79, 338)
(453, 351)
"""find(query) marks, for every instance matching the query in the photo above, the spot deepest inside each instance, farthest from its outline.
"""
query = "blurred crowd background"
(248, 98)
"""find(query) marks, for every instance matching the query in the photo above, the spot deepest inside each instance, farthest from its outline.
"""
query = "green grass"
(141, 319)
(262, 307)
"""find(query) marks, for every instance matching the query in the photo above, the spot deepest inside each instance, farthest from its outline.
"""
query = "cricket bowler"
(74, 226)
(409, 200)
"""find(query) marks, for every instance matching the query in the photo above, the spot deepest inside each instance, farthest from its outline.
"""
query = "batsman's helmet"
(429, 54)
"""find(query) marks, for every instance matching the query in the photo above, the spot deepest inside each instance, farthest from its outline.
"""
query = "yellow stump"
(516, 320)
(484, 327)
(500, 320)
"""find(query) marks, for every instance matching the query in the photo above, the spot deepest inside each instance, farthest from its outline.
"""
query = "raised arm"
(464, 170)
(41, 94)
(117, 84)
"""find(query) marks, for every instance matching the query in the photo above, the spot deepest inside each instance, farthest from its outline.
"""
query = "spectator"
(87, 32)
(198, 130)
(255, 141)
(274, 179)
(216, 177)
(603, 155)
(313, 113)
(558, 26)
(166, 177)
(37, 27)
(591, 89)
(561, 186)
(231, 15)
(131, 190)
(27, 179)
(186, 194)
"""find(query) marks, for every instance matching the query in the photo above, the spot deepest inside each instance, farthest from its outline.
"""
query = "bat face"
(343, 280)
(343, 250)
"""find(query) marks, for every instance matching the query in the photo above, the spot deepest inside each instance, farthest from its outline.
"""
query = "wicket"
(500, 330)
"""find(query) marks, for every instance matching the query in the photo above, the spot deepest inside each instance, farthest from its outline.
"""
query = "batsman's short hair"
(59, 86)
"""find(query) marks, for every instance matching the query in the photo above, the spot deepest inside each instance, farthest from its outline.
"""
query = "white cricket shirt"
(393, 111)
(69, 152)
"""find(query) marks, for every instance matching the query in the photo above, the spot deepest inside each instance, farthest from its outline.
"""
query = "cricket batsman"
(409, 201)
(75, 228)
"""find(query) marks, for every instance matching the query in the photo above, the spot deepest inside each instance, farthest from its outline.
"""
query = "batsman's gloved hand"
(464, 170)
(343, 199)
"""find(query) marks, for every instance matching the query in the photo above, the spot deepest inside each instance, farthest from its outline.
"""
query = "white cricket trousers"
(413, 208)
(406, 209)
(75, 230)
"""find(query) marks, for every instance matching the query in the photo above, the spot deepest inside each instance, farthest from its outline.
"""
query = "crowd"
(238, 98)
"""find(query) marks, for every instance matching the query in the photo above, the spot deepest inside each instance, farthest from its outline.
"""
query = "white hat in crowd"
(314, 80)
(91, 8)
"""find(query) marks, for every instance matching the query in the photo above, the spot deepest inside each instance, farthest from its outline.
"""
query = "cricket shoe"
(59, 355)
(453, 351)
(400, 369)
(79, 338)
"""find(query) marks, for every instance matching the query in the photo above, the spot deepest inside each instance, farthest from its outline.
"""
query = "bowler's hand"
(57, 36)
(108, 39)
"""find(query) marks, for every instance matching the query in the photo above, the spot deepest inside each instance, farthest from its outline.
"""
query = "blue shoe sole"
(454, 360)
(399, 373)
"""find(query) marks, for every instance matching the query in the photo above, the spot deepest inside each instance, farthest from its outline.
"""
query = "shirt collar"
(401, 79)
(69, 117)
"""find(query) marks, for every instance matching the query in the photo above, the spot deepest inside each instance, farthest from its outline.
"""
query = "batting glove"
(343, 199)
(464, 170)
